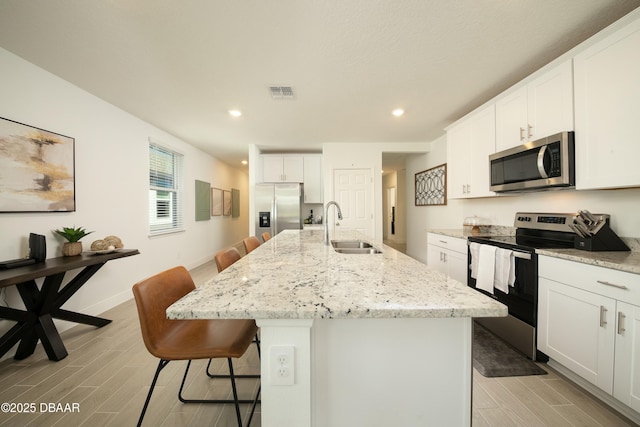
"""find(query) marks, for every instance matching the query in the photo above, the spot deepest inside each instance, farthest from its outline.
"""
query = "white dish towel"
(474, 249)
(486, 268)
(503, 269)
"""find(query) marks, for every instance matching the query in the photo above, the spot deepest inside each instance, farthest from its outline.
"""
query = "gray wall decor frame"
(431, 186)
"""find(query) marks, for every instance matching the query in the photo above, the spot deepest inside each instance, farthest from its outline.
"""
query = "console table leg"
(72, 316)
(51, 340)
(28, 342)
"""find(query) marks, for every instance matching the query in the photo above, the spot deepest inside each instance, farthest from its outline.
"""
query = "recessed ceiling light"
(235, 113)
(398, 112)
(244, 162)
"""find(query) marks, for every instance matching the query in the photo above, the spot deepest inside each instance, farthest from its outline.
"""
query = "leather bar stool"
(250, 243)
(224, 258)
(189, 340)
(266, 236)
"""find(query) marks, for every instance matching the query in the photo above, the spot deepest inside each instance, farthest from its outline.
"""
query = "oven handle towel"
(486, 268)
(474, 249)
(504, 270)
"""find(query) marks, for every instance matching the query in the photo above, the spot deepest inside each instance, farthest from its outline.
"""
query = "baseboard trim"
(605, 398)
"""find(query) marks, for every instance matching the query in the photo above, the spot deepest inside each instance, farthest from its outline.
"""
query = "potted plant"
(72, 235)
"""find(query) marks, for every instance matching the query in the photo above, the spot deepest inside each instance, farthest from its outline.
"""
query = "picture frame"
(235, 203)
(37, 169)
(216, 201)
(226, 203)
(203, 200)
(431, 186)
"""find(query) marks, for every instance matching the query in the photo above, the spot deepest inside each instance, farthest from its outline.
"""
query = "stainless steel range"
(520, 294)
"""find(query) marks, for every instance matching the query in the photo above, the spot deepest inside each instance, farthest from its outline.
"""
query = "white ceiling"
(181, 65)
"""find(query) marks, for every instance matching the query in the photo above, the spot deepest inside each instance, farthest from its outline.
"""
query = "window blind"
(166, 196)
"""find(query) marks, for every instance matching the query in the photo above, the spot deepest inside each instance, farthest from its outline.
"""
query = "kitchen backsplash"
(633, 243)
(495, 230)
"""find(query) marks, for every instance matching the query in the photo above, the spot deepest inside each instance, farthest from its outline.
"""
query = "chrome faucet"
(326, 220)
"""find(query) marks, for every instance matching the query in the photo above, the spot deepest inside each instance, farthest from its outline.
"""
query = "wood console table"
(42, 305)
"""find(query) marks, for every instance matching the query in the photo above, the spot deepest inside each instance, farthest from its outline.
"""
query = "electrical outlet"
(282, 365)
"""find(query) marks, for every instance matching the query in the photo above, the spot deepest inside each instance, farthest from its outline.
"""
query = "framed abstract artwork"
(37, 169)
(431, 186)
(216, 202)
(226, 203)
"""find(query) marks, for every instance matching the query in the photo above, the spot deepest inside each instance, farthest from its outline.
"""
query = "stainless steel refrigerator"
(277, 207)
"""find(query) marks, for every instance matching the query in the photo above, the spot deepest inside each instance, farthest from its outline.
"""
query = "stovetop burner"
(535, 231)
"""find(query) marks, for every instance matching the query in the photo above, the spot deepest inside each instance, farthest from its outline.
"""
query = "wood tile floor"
(108, 373)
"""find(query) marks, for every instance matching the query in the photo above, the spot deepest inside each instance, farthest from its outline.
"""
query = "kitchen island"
(377, 339)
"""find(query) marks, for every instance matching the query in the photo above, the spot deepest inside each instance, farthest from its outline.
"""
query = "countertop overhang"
(295, 276)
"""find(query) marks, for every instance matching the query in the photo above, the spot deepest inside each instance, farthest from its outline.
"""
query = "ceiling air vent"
(281, 92)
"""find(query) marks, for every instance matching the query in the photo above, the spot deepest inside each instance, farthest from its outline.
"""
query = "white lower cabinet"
(448, 255)
(588, 322)
(575, 328)
(626, 382)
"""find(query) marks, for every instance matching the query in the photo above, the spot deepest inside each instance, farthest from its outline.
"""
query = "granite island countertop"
(295, 276)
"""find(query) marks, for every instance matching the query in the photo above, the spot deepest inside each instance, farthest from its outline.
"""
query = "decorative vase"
(72, 248)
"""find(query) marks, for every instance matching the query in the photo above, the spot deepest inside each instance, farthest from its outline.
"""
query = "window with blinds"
(166, 204)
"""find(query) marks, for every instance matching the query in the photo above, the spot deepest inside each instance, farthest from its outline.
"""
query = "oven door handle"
(522, 255)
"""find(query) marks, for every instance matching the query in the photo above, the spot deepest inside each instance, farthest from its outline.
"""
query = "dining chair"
(224, 258)
(266, 236)
(189, 340)
(250, 243)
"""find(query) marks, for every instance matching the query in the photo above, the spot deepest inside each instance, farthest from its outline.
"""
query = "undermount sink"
(350, 244)
(354, 247)
(370, 251)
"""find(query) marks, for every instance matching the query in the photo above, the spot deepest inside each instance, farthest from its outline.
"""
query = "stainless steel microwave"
(546, 163)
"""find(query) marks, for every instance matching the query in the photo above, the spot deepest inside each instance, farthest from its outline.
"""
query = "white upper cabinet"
(541, 108)
(469, 144)
(282, 168)
(313, 178)
(607, 94)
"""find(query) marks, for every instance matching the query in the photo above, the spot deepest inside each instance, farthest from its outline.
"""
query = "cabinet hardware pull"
(521, 134)
(603, 316)
(530, 130)
(445, 256)
(604, 282)
(444, 241)
(621, 317)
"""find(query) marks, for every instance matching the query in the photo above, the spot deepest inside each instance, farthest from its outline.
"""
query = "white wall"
(111, 173)
(623, 205)
(423, 218)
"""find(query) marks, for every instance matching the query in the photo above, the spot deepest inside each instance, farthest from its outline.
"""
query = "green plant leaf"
(72, 234)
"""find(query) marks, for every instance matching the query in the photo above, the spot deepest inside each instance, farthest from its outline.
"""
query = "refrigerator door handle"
(274, 207)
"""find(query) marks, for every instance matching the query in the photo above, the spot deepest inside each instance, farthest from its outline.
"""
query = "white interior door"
(353, 190)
